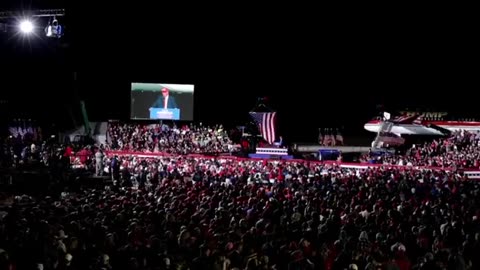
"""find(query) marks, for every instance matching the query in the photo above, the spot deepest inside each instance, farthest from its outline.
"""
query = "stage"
(266, 156)
(271, 153)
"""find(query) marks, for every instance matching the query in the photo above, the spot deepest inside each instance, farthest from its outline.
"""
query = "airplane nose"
(370, 127)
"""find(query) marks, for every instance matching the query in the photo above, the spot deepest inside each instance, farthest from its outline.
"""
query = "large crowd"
(167, 139)
(183, 212)
(461, 150)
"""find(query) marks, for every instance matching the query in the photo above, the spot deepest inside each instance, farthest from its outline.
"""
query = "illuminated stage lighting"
(26, 26)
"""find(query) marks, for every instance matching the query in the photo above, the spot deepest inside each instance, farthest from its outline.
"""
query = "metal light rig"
(52, 30)
(32, 13)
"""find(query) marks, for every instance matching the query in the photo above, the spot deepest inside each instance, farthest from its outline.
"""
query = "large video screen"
(162, 101)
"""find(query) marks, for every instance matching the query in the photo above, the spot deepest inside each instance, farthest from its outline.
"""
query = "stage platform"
(271, 153)
(268, 156)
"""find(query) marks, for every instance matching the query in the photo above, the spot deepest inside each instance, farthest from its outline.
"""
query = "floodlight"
(26, 27)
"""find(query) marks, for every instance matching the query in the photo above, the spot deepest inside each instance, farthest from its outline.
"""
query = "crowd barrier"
(470, 173)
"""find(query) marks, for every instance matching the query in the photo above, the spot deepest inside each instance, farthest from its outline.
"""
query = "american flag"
(339, 138)
(320, 136)
(266, 124)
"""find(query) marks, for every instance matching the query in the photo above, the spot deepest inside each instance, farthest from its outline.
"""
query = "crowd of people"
(199, 213)
(187, 139)
(460, 151)
(185, 212)
(16, 152)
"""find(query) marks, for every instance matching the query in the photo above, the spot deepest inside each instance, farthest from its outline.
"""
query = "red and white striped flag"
(328, 138)
(266, 122)
(339, 138)
(320, 137)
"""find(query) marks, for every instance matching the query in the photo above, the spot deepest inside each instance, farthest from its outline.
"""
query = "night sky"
(315, 74)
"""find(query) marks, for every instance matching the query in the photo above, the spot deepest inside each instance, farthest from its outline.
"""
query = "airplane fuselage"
(424, 129)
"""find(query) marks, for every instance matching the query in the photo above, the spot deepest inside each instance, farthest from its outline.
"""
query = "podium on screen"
(164, 114)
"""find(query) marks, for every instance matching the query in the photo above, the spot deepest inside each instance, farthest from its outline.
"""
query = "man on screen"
(165, 101)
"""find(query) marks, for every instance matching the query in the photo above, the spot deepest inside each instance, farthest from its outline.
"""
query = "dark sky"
(315, 73)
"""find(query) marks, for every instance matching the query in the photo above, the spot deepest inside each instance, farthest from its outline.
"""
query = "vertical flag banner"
(266, 122)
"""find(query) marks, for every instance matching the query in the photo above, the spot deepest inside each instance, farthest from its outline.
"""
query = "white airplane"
(424, 123)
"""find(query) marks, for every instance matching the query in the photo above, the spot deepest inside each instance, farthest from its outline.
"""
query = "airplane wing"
(418, 120)
(444, 131)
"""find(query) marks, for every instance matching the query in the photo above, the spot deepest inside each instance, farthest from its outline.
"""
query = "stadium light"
(26, 26)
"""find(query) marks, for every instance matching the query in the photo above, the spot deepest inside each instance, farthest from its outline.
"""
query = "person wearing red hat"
(165, 101)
